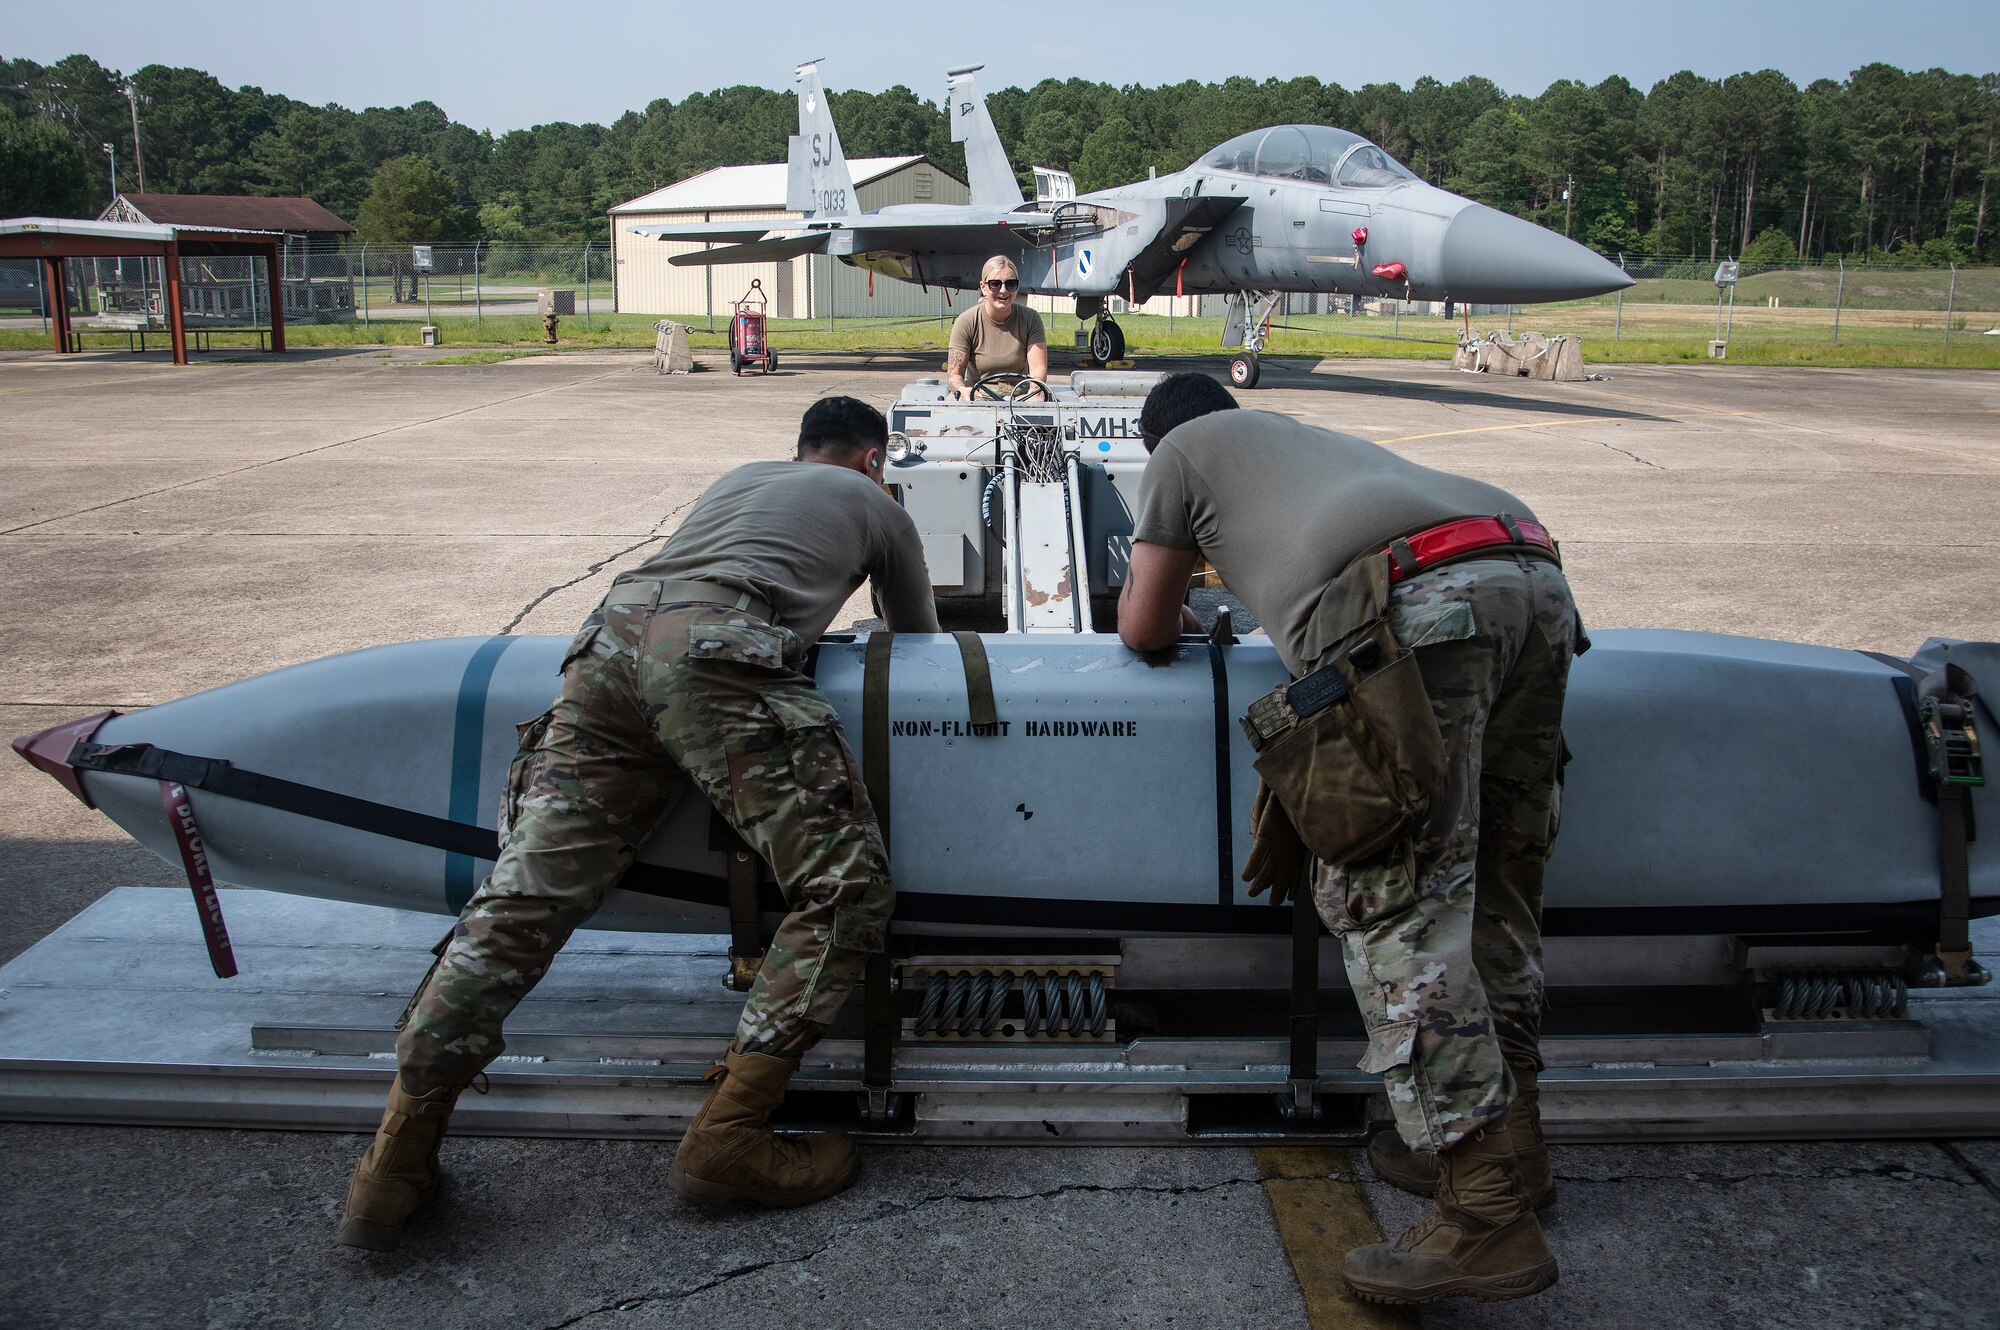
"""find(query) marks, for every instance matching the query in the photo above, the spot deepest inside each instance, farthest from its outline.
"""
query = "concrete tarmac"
(164, 530)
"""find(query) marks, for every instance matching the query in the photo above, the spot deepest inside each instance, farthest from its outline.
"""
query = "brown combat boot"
(1482, 1241)
(731, 1154)
(398, 1174)
(1400, 1166)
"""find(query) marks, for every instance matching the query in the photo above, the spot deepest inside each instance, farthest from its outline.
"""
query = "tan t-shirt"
(996, 348)
(803, 535)
(1281, 508)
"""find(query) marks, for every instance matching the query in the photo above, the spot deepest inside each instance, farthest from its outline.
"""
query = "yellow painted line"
(1322, 1215)
(1576, 420)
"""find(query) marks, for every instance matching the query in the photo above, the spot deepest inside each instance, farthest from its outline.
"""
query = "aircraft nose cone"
(1491, 257)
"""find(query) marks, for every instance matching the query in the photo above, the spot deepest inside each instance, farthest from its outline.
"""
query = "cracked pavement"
(166, 530)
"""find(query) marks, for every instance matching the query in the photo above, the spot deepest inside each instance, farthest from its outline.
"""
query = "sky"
(509, 64)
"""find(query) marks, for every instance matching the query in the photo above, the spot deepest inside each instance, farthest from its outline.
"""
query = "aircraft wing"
(929, 226)
(872, 233)
(757, 251)
(721, 233)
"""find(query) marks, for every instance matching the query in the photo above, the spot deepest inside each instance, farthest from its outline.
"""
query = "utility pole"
(1569, 188)
(138, 156)
(112, 153)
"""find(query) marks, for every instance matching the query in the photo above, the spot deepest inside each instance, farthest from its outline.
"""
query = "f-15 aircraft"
(1305, 208)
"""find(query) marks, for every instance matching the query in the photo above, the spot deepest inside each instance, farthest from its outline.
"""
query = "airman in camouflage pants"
(649, 699)
(1442, 937)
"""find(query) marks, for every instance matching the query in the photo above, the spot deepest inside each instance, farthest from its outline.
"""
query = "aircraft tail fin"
(986, 168)
(817, 182)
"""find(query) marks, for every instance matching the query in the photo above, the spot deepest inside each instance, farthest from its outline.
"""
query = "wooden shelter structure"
(50, 240)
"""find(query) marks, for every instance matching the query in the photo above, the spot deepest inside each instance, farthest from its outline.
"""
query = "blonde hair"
(995, 264)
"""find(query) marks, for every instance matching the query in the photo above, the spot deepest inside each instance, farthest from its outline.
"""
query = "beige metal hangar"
(645, 283)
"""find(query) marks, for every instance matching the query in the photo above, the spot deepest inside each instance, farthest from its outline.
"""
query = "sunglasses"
(1003, 283)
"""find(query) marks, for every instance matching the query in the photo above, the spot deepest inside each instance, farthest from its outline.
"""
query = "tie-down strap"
(1939, 708)
(878, 999)
(978, 683)
(194, 861)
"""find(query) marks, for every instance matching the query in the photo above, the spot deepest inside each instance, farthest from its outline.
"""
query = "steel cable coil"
(1818, 995)
(1054, 1003)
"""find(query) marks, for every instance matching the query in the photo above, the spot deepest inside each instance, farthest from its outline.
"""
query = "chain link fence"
(480, 279)
(361, 282)
(1675, 306)
(1839, 302)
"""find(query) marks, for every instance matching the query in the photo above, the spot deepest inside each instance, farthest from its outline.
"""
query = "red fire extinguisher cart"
(749, 347)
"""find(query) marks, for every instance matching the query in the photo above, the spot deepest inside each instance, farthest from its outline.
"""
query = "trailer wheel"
(1244, 370)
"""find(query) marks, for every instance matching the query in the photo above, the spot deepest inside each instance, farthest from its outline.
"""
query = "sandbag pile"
(1531, 356)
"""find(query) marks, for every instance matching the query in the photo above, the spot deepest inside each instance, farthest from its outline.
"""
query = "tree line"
(1885, 163)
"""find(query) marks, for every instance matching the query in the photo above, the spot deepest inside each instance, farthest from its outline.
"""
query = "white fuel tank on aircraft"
(1720, 784)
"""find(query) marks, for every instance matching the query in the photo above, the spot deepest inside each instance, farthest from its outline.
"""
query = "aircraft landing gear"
(1246, 323)
(1107, 341)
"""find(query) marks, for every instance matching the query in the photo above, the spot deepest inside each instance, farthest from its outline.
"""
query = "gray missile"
(1719, 785)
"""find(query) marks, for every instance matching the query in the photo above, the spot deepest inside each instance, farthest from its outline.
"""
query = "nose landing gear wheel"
(1243, 370)
(1107, 342)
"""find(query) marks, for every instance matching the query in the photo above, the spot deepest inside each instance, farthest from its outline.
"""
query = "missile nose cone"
(48, 750)
(1490, 256)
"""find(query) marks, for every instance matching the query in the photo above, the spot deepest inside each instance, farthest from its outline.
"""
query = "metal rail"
(302, 1040)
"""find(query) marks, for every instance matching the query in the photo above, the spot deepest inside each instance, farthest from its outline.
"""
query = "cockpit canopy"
(1316, 153)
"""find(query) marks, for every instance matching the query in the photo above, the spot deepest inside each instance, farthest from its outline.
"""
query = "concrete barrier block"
(671, 352)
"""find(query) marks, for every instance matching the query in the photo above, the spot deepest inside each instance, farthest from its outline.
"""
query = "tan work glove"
(1278, 859)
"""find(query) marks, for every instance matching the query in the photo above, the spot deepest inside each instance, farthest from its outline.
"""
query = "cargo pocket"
(437, 959)
(829, 789)
(1390, 1046)
(1376, 889)
(859, 930)
(1427, 623)
(754, 646)
(527, 743)
(581, 644)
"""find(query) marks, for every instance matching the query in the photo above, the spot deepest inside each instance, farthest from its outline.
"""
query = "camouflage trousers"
(652, 699)
(1442, 936)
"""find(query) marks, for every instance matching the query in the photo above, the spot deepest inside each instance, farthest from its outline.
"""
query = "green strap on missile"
(875, 727)
(878, 1001)
(978, 682)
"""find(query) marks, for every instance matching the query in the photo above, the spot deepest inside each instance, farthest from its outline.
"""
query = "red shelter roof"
(226, 212)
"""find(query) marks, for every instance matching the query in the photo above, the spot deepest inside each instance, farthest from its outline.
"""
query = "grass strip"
(1660, 334)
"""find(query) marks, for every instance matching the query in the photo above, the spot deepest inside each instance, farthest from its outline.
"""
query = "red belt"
(1452, 540)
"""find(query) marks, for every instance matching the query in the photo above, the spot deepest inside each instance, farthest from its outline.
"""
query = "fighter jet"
(1288, 208)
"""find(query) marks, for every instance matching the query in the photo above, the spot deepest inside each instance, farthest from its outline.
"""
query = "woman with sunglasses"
(999, 335)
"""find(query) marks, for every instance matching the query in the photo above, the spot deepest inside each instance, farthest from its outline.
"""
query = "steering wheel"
(1007, 386)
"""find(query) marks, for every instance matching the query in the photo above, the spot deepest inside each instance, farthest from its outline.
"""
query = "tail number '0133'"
(831, 200)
